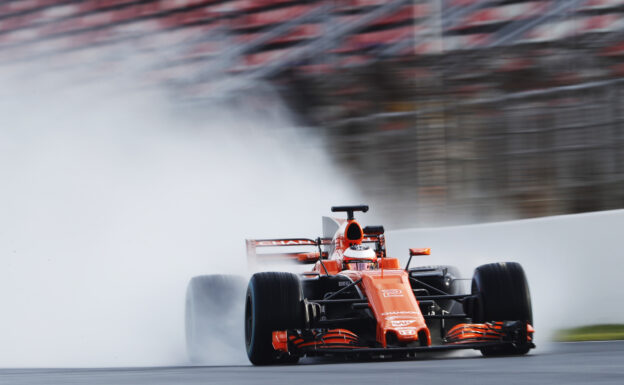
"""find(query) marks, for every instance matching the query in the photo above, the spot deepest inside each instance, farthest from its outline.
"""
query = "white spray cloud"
(112, 199)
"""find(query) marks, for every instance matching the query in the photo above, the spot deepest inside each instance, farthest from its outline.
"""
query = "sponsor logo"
(407, 332)
(399, 323)
(289, 242)
(392, 293)
(399, 313)
(401, 317)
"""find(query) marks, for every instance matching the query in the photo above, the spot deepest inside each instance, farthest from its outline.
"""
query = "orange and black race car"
(357, 301)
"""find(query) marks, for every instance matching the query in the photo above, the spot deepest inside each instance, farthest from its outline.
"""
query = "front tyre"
(502, 294)
(274, 302)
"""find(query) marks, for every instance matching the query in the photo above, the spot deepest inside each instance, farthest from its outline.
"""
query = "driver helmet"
(359, 257)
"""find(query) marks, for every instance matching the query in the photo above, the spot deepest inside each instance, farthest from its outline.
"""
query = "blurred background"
(440, 111)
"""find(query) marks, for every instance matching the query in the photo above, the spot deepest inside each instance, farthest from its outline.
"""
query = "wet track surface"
(569, 363)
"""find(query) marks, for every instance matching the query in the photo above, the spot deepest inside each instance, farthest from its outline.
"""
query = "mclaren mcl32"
(359, 302)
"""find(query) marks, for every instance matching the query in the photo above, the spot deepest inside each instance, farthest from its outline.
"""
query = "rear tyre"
(214, 307)
(274, 302)
(502, 294)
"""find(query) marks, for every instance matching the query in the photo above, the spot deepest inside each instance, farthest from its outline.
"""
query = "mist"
(111, 199)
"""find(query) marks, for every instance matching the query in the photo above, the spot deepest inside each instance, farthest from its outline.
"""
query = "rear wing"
(305, 257)
(300, 257)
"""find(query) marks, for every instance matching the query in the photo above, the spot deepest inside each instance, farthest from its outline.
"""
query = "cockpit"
(360, 257)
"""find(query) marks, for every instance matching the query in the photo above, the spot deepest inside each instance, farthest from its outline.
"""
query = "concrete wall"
(573, 263)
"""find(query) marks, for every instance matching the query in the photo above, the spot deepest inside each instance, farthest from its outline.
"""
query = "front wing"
(405, 350)
(463, 336)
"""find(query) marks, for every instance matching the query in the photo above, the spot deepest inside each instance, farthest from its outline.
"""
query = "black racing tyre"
(214, 308)
(502, 294)
(274, 302)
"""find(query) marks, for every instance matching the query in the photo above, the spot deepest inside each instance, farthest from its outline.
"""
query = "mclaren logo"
(392, 293)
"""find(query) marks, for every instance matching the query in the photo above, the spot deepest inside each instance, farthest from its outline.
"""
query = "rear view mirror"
(425, 251)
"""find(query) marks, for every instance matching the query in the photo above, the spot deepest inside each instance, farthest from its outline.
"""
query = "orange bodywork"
(384, 290)
(392, 302)
(333, 267)
(388, 289)
(307, 257)
(329, 339)
(423, 251)
(342, 241)
(395, 307)
(389, 263)
(280, 341)
(491, 331)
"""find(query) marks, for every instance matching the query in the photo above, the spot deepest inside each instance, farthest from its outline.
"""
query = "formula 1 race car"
(357, 301)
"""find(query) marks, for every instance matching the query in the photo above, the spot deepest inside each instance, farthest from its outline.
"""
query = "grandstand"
(459, 105)
(271, 36)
